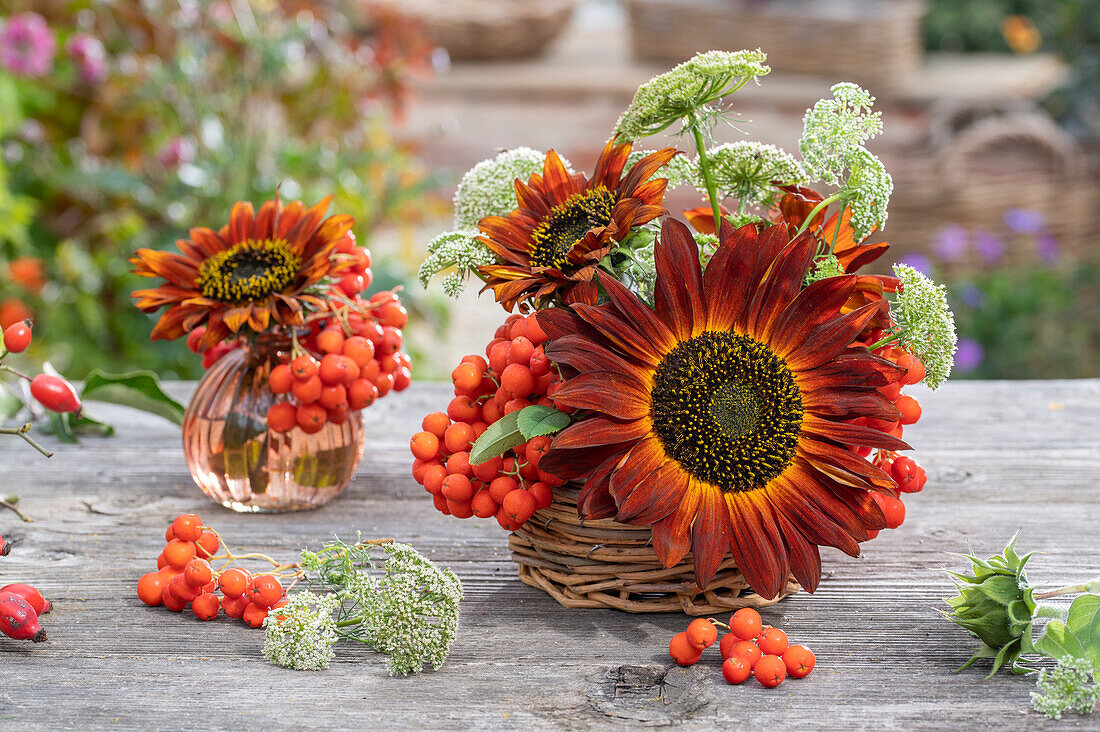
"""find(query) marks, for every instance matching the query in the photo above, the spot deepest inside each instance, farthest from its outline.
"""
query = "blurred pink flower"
(176, 152)
(27, 45)
(90, 57)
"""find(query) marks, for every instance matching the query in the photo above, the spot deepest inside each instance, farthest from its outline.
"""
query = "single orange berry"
(736, 669)
(234, 606)
(682, 651)
(205, 606)
(424, 445)
(264, 590)
(198, 572)
(799, 661)
(281, 379)
(254, 614)
(150, 588)
(187, 527)
(436, 423)
(746, 650)
(233, 582)
(770, 671)
(179, 553)
(773, 641)
(207, 545)
(171, 602)
(701, 633)
(746, 623)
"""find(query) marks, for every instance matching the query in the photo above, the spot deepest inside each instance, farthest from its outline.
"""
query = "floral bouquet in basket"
(273, 301)
(681, 414)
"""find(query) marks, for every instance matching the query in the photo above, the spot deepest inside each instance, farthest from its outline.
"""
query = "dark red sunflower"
(722, 417)
(566, 223)
(260, 270)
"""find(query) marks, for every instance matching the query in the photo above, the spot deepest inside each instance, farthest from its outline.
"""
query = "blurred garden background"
(125, 122)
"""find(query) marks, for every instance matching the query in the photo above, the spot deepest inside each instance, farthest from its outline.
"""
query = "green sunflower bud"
(997, 606)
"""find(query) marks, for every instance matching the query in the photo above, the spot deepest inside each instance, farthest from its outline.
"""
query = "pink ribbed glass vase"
(243, 465)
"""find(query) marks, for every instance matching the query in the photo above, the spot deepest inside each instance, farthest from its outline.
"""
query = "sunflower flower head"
(685, 89)
(301, 634)
(459, 254)
(748, 171)
(925, 323)
(834, 131)
(488, 188)
(720, 415)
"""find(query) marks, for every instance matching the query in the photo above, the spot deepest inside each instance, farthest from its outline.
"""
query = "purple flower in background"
(969, 355)
(88, 54)
(989, 246)
(950, 243)
(27, 45)
(176, 152)
(1047, 247)
(919, 262)
(972, 296)
(1024, 221)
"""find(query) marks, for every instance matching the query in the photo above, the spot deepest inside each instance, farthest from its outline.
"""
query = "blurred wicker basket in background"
(481, 30)
(867, 41)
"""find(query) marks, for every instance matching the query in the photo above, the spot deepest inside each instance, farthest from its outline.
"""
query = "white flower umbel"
(301, 634)
(925, 325)
(488, 188)
(824, 267)
(686, 89)
(834, 130)
(459, 253)
(747, 170)
(867, 192)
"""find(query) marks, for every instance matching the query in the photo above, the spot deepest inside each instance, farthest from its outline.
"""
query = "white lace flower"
(824, 267)
(459, 253)
(867, 192)
(746, 170)
(925, 323)
(488, 188)
(834, 130)
(684, 89)
(301, 634)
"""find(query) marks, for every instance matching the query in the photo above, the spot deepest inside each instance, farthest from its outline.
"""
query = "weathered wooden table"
(1001, 457)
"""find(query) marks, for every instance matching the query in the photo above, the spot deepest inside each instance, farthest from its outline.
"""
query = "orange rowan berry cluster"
(906, 472)
(750, 648)
(185, 576)
(515, 373)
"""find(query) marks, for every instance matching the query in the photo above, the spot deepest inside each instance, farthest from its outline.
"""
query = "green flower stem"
(704, 168)
(884, 341)
(816, 210)
(22, 432)
(1090, 586)
(18, 373)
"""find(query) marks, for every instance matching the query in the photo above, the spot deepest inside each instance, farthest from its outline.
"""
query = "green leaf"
(1000, 588)
(1058, 642)
(59, 427)
(137, 389)
(87, 425)
(502, 435)
(538, 419)
(1084, 623)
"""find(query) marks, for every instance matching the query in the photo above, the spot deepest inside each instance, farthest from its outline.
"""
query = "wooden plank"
(1002, 457)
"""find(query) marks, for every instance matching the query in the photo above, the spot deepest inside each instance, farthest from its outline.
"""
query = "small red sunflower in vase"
(678, 418)
(273, 301)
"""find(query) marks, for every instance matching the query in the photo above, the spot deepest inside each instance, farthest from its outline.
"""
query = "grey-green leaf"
(10, 404)
(1084, 623)
(137, 389)
(539, 419)
(1058, 642)
(502, 435)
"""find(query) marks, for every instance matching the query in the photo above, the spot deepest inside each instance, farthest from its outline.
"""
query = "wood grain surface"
(1002, 457)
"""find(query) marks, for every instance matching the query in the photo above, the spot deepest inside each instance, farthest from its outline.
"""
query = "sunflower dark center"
(567, 223)
(727, 408)
(249, 271)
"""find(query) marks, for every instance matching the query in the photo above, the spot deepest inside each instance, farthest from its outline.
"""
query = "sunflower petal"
(830, 339)
(805, 557)
(753, 551)
(596, 431)
(672, 534)
(652, 497)
(710, 534)
(679, 290)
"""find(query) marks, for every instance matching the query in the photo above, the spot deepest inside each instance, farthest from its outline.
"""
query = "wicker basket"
(605, 564)
(868, 41)
(983, 162)
(482, 30)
